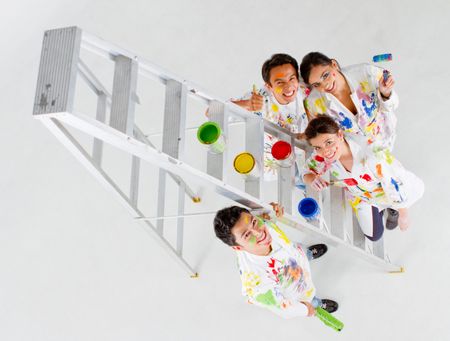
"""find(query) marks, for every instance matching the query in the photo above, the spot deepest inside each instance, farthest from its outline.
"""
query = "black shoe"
(329, 305)
(392, 219)
(318, 250)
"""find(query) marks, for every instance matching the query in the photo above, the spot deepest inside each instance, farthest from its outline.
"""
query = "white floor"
(74, 265)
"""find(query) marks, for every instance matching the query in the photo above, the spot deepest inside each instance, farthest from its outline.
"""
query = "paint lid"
(281, 150)
(244, 163)
(208, 132)
(308, 207)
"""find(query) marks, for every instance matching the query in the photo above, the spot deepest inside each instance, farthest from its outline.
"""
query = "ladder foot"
(196, 275)
(402, 270)
(196, 199)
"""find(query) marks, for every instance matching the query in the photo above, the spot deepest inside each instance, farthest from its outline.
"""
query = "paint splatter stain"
(278, 90)
(267, 298)
(319, 158)
(379, 170)
(281, 234)
(274, 107)
(350, 182)
(364, 86)
(43, 100)
(366, 177)
(260, 221)
(252, 240)
(320, 105)
(395, 183)
(389, 156)
(346, 123)
(369, 106)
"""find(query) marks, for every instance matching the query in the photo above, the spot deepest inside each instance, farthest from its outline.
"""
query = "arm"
(315, 181)
(253, 101)
(387, 97)
(387, 100)
(312, 170)
(278, 209)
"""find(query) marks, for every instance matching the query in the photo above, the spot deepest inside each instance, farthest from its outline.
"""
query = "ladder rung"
(123, 95)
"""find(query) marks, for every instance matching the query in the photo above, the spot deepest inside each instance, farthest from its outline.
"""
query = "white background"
(74, 265)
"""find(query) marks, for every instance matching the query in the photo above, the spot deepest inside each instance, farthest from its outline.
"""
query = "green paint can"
(210, 134)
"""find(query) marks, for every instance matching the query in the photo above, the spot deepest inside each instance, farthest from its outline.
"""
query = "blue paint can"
(309, 209)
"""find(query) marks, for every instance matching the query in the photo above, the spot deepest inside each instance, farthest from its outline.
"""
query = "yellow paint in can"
(244, 163)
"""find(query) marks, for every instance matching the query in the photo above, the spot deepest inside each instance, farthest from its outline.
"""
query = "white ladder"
(60, 66)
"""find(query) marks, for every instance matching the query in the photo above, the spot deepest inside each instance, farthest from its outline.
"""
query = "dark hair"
(309, 61)
(225, 220)
(321, 124)
(277, 60)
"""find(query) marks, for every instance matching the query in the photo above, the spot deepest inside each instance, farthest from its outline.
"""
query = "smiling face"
(251, 235)
(329, 146)
(283, 83)
(326, 78)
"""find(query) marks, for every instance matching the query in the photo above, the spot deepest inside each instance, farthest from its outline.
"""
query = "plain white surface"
(74, 265)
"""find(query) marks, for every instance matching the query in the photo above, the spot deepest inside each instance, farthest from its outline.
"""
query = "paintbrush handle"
(329, 319)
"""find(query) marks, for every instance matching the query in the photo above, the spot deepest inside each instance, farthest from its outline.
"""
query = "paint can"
(210, 134)
(283, 153)
(309, 209)
(245, 164)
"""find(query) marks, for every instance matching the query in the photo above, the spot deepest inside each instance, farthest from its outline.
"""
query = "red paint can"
(283, 153)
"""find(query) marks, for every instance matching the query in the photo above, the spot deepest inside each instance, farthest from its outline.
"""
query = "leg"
(392, 218)
(314, 251)
(403, 219)
(326, 304)
(370, 220)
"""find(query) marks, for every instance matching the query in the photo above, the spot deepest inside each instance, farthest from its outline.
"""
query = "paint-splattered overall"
(291, 116)
(376, 179)
(280, 280)
(375, 117)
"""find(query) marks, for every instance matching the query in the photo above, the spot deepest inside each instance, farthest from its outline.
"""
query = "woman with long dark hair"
(360, 97)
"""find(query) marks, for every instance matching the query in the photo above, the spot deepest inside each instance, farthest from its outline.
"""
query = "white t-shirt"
(279, 281)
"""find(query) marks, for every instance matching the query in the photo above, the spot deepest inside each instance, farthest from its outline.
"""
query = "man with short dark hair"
(274, 271)
(279, 100)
